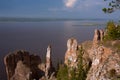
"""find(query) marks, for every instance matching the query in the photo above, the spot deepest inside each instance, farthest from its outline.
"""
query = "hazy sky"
(55, 9)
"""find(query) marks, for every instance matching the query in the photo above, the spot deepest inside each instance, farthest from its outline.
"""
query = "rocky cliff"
(21, 65)
(103, 60)
(71, 53)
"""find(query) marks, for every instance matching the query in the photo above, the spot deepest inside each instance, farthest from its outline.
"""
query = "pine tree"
(81, 75)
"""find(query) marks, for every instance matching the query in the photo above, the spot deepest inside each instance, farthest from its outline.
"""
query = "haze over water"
(34, 37)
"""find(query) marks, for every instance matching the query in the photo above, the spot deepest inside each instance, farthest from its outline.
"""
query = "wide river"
(36, 36)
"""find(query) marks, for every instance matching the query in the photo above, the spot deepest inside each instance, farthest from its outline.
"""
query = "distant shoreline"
(12, 19)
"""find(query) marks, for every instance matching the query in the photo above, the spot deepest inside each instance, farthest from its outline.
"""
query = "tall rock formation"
(21, 65)
(48, 62)
(105, 62)
(71, 53)
(48, 58)
(101, 35)
(101, 63)
(98, 37)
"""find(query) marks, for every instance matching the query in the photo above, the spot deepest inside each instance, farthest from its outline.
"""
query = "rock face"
(101, 35)
(21, 65)
(49, 69)
(22, 72)
(98, 36)
(71, 53)
(48, 60)
(22, 59)
(105, 64)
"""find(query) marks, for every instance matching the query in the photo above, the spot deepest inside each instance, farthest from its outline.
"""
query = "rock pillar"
(71, 53)
(48, 61)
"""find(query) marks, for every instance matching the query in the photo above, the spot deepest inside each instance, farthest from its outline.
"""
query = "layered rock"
(104, 62)
(98, 37)
(49, 69)
(21, 65)
(22, 72)
(26, 60)
(48, 66)
(101, 35)
(71, 53)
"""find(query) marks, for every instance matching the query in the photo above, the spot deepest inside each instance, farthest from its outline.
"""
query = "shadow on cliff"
(31, 62)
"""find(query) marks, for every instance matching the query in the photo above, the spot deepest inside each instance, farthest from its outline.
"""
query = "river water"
(36, 36)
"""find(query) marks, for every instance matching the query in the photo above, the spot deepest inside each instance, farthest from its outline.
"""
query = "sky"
(55, 9)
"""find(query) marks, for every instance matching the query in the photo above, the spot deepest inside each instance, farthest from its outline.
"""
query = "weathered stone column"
(96, 38)
(48, 61)
(71, 53)
(101, 35)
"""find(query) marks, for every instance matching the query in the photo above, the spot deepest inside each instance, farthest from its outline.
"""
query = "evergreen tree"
(70, 73)
(81, 74)
(113, 6)
(112, 31)
(62, 73)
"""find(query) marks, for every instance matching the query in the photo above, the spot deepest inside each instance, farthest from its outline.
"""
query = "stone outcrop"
(29, 61)
(48, 60)
(22, 72)
(71, 53)
(101, 35)
(98, 37)
(49, 69)
(103, 62)
(21, 65)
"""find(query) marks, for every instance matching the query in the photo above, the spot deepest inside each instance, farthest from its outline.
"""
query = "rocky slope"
(103, 60)
(21, 65)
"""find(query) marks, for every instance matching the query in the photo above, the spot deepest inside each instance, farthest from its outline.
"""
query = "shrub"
(81, 75)
(69, 73)
(62, 72)
(112, 31)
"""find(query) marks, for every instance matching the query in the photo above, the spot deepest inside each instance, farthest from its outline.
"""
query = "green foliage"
(104, 10)
(72, 74)
(69, 73)
(62, 73)
(113, 6)
(107, 10)
(81, 75)
(112, 32)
